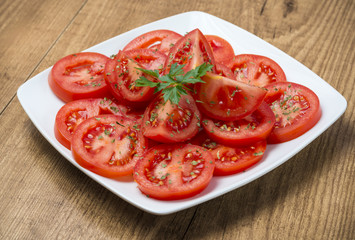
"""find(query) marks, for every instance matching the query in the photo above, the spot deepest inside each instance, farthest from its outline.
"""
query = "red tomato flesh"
(174, 171)
(226, 99)
(108, 145)
(147, 58)
(168, 123)
(231, 160)
(224, 71)
(191, 50)
(296, 109)
(157, 40)
(222, 50)
(122, 72)
(73, 113)
(257, 70)
(79, 76)
(251, 129)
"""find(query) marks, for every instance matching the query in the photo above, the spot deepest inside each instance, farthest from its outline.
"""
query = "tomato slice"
(226, 99)
(79, 76)
(191, 50)
(222, 50)
(257, 70)
(174, 171)
(296, 109)
(224, 71)
(253, 128)
(166, 122)
(158, 40)
(231, 160)
(147, 58)
(108, 145)
(73, 113)
(121, 74)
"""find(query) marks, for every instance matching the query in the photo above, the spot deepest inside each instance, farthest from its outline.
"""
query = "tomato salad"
(173, 110)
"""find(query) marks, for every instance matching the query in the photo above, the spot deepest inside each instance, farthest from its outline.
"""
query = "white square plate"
(41, 105)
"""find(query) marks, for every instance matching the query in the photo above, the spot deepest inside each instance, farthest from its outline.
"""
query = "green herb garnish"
(175, 83)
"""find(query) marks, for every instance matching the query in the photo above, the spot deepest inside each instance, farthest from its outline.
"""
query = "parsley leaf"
(143, 81)
(174, 84)
(154, 73)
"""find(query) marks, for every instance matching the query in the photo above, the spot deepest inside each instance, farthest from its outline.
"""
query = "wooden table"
(43, 196)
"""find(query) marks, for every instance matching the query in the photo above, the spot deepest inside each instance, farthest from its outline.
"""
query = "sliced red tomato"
(73, 113)
(79, 76)
(253, 128)
(224, 71)
(257, 70)
(231, 160)
(191, 50)
(296, 109)
(158, 40)
(226, 99)
(166, 122)
(174, 171)
(121, 74)
(147, 58)
(108, 145)
(222, 50)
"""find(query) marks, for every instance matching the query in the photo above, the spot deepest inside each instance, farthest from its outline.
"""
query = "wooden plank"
(28, 30)
(309, 197)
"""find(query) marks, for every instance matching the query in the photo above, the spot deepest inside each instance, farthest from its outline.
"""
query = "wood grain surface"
(42, 196)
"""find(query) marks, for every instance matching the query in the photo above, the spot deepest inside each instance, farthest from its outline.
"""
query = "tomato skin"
(222, 50)
(230, 160)
(170, 123)
(79, 76)
(191, 50)
(226, 99)
(99, 142)
(121, 73)
(253, 128)
(255, 69)
(73, 113)
(174, 171)
(159, 40)
(296, 109)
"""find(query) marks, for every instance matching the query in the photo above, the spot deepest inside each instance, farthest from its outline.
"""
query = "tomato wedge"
(166, 122)
(253, 128)
(296, 109)
(231, 160)
(191, 50)
(257, 70)
(108, 145)
(121, 74)
(222, 50)
(158, 40)
(174, 171)
(79, 76)
(226, 99)
(73, 113)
